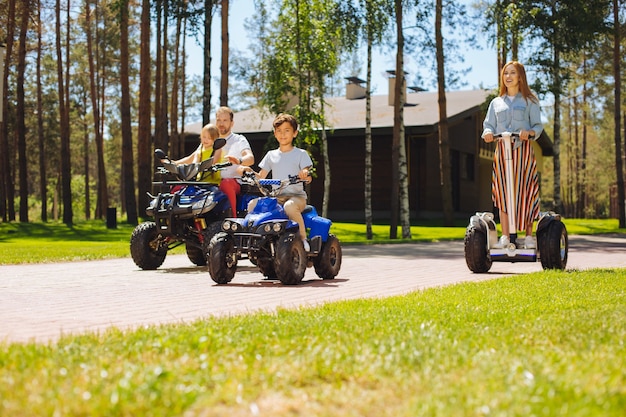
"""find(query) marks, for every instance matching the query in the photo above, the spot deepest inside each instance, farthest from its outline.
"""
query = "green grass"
(545, 344)
(55, 242)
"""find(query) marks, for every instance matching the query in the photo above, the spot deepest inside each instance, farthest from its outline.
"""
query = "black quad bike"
(481, 236)
(271, 241)
(186, 211)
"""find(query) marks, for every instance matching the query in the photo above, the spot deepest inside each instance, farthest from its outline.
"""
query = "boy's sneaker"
(307, 248)
(503, 242)
(529, 242)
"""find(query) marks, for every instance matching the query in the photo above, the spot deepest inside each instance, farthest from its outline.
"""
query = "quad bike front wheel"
(553, 246)
(222, 258)
(147, 248)
(291, 259)
(476, 256)
(328, 263)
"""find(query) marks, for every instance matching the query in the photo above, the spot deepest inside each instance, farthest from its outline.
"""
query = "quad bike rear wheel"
(328, 263)
(147, 248)
(198, 254)
(476, 256)
(266, 267)
(195, 254)
(291, 259)
(553, 246)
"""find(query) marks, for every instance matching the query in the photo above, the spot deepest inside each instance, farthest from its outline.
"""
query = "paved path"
(41, 302)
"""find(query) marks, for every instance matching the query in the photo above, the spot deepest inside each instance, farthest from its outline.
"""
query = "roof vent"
(354, 88)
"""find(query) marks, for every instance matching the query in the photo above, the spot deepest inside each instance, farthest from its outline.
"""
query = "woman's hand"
(488, 138)
(526, 134)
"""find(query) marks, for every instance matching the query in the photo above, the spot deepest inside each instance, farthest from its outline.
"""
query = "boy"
(284, 161)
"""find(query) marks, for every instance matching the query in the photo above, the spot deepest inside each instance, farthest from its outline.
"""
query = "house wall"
(471, 178)
(348, 167)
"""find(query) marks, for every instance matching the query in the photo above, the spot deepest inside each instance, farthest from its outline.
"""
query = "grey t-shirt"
(282, 164)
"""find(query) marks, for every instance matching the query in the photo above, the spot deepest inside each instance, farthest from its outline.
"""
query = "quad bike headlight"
(274, 227)
(203, 206)
(231, 226)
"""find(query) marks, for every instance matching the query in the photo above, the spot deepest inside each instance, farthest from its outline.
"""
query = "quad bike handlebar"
(187, 172)
(269, 187)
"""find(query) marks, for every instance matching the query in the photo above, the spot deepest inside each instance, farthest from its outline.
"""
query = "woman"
(515, 110)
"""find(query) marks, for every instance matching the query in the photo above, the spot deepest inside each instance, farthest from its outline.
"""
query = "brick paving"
(41, 302)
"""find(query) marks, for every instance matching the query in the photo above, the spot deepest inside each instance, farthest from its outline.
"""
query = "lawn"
(544, 344)
(55, 242)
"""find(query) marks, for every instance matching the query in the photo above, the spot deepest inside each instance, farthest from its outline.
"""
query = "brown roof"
(421, 110)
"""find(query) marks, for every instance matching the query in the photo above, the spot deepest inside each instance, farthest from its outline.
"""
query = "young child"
(284, 161)
(204, 151)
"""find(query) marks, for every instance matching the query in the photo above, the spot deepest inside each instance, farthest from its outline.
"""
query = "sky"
(481, 57)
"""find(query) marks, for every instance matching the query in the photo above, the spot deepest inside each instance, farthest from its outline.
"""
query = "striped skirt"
(525, 183)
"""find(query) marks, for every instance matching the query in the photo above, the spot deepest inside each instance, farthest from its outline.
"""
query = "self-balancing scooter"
(481, 236)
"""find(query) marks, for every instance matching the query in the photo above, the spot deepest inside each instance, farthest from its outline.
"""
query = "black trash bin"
(111, 218)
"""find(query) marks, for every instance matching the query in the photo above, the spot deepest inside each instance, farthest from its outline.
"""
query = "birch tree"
(377, 14)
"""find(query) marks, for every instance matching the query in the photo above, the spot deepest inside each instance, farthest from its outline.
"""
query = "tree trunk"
(583, 157)
(43, 177)
(86, 157)
(8, 185)
(160, 99)
(206, 79)
(183, 88)
(102, 193)
(397, 125)
(144, 156)
(66, 168)
(619, 167)
(368, 142)
(444, 142)
(326, 157)
(158, 75)
(556, 72)
(225, 55)
(20, 116)
(127, 133)
(163, 121)
(176, 148)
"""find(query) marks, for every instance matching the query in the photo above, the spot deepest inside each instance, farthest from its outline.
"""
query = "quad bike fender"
(484, 221)
(317, 225)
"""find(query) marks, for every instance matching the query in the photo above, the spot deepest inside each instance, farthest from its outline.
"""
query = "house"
(471, 158)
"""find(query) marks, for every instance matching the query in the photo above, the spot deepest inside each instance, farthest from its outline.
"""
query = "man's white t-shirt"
(235, 145)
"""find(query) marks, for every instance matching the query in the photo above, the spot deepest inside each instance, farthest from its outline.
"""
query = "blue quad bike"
(481, 236)
(186, 212)
(272, 242)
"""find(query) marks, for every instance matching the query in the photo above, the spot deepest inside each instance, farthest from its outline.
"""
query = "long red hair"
(523, 82)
